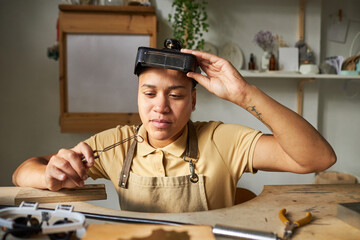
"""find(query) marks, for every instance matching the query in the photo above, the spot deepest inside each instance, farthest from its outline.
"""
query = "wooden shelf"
(302, 79)
(100, 8)
(278, 74)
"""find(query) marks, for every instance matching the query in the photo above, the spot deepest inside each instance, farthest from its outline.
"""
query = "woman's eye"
(149, 94)
(173, 95)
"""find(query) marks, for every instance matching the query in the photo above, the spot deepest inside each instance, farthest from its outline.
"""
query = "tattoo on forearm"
(258, 116)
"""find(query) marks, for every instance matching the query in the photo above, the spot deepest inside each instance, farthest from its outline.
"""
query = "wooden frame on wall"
(89, 19)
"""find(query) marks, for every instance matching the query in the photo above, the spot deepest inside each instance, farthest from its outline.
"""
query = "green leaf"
(189, 19)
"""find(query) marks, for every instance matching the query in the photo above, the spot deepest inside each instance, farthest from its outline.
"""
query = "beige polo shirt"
(225, 153)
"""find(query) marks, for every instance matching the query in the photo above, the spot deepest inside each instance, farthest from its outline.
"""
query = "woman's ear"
(193, 93)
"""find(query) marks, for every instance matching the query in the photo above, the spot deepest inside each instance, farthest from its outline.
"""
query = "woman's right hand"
(66, 168)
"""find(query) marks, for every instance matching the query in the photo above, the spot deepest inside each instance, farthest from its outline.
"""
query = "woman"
(183, 166)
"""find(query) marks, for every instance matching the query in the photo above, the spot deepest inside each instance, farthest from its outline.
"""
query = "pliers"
(290, 226)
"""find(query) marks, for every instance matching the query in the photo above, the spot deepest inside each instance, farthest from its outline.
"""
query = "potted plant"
(189, 22)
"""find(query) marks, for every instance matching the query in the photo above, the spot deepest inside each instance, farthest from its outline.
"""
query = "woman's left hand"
(222, 78)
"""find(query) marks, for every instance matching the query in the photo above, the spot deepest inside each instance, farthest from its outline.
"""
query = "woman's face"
(166, 99)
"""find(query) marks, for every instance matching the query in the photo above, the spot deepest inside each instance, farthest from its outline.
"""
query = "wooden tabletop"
(261, 213)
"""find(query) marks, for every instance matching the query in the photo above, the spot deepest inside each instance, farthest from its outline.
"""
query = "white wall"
(340, 99)
(29, 99)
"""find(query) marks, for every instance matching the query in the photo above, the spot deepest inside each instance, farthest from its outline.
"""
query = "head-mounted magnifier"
(170, 57)
(27, 220)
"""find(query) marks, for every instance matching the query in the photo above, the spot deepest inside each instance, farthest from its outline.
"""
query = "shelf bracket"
(300, 94)
(302, 20)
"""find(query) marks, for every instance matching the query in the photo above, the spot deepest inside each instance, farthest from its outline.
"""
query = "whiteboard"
(100, 72)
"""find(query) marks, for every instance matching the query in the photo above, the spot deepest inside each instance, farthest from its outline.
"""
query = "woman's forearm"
(295, 145)
(31, 173)
(298, 138)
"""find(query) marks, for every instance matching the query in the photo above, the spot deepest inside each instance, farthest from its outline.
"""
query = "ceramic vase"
(265, 60)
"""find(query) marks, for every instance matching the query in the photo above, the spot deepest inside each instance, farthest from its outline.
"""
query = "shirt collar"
(176, 148)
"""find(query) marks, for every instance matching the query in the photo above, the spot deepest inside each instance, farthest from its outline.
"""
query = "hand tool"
(227, 232)
(97, 153)
(170, 57)
(290, 226)
(27, 220)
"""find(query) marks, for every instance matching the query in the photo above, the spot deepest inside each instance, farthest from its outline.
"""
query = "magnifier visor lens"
(165, 60)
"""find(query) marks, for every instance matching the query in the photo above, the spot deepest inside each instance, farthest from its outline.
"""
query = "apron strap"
(191, 153)
(127, 163)
(192, 142)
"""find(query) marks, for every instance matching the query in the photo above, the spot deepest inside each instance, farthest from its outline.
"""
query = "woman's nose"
(161, 105)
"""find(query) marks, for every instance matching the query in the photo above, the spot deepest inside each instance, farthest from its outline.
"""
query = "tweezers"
(97, 153)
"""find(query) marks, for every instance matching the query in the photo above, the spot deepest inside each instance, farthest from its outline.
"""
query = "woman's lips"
(160, 123)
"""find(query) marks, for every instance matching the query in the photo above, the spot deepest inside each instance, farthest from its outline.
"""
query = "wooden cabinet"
(97, 47)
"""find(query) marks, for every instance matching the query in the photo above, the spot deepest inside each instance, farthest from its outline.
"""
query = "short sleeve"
(236, 145)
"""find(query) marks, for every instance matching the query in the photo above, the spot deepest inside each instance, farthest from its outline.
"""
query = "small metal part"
(288, 231)
(194, 178)
(45, 217)
(187, 159)
(172, 44)
(31, 205)
(64, 207)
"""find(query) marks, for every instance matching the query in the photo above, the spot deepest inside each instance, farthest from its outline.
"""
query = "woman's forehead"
(163, 76)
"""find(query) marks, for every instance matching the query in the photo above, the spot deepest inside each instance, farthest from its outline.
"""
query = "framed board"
(98, 46)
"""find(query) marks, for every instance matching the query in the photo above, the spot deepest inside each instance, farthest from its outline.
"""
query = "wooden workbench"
(261, 213)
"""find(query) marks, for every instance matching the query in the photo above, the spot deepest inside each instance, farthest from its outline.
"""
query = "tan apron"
(164, 194)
